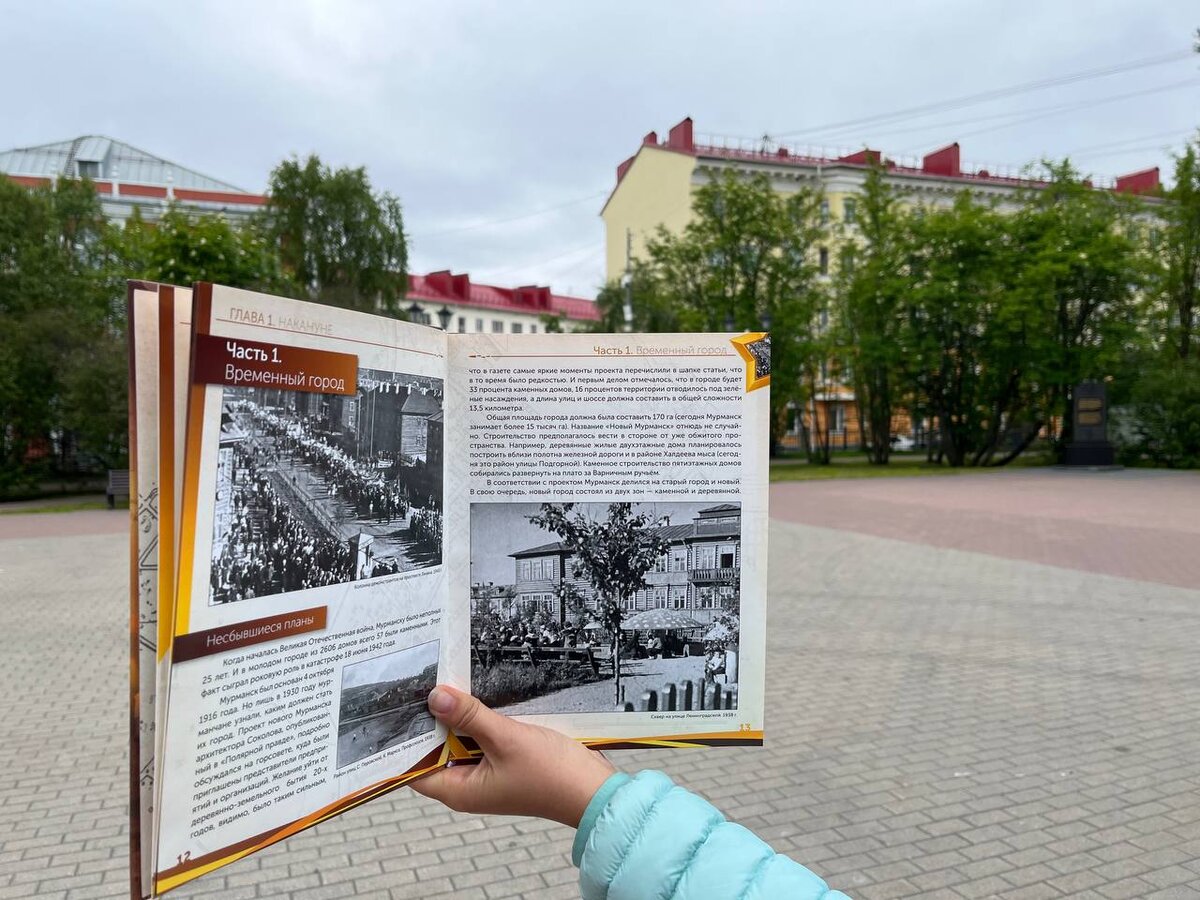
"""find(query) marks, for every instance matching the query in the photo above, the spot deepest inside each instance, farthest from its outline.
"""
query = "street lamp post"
(444, 315)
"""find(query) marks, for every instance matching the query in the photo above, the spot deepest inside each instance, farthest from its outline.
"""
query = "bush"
(1165, 407)
(506, 682)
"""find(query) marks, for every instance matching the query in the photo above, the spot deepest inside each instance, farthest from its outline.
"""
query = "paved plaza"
(979, 686)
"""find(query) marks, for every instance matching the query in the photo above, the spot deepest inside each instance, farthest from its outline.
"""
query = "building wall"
(485, 320)
(656, 190)
(689, 577)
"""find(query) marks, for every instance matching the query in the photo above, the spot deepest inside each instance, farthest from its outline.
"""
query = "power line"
(492, 222)
(1174, 86)
(1016, 114)
(995, 94)
(1118, 152)
(1089, 148)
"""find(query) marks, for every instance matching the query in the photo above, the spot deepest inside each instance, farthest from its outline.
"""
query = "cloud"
(472, 112)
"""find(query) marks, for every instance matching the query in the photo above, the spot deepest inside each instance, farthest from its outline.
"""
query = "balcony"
(729, 575)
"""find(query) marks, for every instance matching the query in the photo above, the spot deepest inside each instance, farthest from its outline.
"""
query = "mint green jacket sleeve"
(645, 838)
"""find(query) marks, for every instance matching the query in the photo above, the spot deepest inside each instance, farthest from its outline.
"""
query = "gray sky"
(392, 666)
(475, 112)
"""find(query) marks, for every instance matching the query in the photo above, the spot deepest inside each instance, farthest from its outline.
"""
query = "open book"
(334, 511)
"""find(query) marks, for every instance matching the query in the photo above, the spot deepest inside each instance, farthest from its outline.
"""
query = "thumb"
(465, 715)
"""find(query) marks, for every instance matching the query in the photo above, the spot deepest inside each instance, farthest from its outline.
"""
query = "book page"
(144, 509)
(308, 619)
(615, 488)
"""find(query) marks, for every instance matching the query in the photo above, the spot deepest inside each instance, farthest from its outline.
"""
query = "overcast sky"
(474, 113)
(391, 666)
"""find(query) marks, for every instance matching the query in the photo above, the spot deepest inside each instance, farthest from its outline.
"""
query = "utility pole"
(627, 309)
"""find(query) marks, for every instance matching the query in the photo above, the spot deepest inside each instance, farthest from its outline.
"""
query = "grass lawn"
(64, 506)
(898, 466)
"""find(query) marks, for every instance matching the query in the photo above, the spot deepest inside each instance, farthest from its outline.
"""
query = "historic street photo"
(595, 607)
(383, 701)
(318, 489)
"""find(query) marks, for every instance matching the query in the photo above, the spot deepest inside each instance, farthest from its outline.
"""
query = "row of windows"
(849, 211)
(704, 556)
(544, 569)
(496, 326)
(677, 597)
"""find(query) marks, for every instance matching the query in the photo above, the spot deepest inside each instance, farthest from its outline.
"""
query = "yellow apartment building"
(654, 187)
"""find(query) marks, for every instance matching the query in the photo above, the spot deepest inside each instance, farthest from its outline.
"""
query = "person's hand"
(525, 771)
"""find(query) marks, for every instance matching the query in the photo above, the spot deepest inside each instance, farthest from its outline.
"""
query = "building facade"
(699, 574)
(655, 187)
(128, 179)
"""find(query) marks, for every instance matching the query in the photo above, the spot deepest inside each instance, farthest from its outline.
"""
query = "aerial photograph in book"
(318, 489)
(383, 701)
(596, 607)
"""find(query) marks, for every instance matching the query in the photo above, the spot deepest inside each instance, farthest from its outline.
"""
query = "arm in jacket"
(645, 838)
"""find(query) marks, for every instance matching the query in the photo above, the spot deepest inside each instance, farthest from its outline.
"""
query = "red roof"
(105, 188)
(458, 290)
(943, 163)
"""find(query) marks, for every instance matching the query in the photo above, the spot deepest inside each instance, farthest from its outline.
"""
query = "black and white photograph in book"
(319, 489)
(383, 701)
(596, 607)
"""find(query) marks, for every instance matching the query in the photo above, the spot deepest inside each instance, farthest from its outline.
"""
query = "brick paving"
(943, 722)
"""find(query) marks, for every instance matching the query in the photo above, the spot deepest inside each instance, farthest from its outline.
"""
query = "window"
(660, 597)
(497, 326)
(837, 417)
(678, 559)
(462, 324)
(660, 564)
(727, 557)
(87, 168)
(849, 211)
(533, 329)
(706, 597)
(479, 324)
(516, 327)
(679, 596)
(823, 260)
(706, 557)
(824, 212)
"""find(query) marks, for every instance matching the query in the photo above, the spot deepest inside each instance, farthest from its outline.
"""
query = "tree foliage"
(1180, 248)
(613, 556)
(342, 242)
(62, 360)
(747, 261)
(870, 310)
(182, 248)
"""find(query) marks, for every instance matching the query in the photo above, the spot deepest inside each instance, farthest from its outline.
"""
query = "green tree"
(1081, 269)
(181, 248)
(654, 311)
(966, 334)
(62, 383)
(747, 259)
(341, 241)
(870, 287)
(613, 556)
(1180, 249)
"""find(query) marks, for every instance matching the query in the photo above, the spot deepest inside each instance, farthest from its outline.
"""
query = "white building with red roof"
(127, 178)
(453, 302)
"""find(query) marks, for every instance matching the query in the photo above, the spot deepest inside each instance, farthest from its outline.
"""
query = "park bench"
(118, 486)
